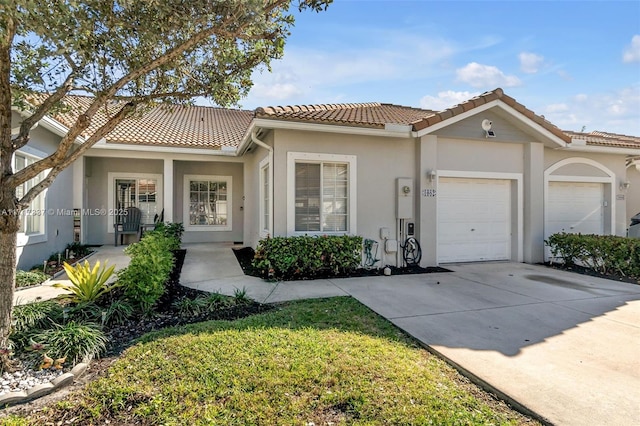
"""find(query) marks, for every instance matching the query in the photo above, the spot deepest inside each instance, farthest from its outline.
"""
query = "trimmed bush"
(151, 263)
(605, 254)
(307, 256)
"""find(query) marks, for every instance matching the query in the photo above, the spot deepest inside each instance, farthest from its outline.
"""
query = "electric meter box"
(404, 206)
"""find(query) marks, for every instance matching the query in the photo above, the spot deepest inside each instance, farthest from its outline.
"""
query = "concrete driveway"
(563, 345)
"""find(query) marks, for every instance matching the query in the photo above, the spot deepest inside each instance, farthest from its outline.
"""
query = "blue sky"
(575, 62)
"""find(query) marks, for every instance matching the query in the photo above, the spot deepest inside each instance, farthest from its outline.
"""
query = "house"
(484, 180)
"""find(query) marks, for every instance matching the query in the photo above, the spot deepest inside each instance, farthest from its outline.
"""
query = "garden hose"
(370, 253)
(411, 252)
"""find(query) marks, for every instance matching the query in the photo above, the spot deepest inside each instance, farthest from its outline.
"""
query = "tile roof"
(174, 126)
(373, 114)
(485, 98)
(214, 128)
(377, 115)
(598, 138)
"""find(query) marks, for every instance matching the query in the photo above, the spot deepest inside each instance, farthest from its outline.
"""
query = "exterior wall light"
(624, 185)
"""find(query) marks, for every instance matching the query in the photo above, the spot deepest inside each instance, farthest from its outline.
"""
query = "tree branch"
(41, 110)
(58, 166)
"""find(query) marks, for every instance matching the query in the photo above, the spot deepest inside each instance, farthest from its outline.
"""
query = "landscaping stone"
(79, 369)
(12, 398)
(64, 380)
(40, 390)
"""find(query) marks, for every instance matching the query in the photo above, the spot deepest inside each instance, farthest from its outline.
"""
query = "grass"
(329, 361)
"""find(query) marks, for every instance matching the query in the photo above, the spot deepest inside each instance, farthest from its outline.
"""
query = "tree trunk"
(9, 225)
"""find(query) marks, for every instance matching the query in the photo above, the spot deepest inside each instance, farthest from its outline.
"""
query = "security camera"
(486, 125)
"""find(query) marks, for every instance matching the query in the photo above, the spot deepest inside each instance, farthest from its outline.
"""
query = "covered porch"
(204, 192)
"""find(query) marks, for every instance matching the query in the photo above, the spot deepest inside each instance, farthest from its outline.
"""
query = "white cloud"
(485, 76)
(530, 63)
(616, 112)
(445, 100)
(556, 108)
(276, 91)
(311, 75)
(632, 52)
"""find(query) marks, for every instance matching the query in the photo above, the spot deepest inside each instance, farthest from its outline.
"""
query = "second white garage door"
(474, 219)
(575, 207)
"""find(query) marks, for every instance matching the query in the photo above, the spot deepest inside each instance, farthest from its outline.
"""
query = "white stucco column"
(78, 192)
(167, 187)
(426, 204)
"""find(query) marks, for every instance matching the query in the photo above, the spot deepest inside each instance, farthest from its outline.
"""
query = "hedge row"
(606, 254)
(307, 257)
(151, 263)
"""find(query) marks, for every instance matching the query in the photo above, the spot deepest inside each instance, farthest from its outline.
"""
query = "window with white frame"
(32, 221)
(137, 192)
(265, 197)
(208, 202)
(321, 193)
(141, 190)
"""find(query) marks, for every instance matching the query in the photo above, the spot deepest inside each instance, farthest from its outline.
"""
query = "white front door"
(474, 219)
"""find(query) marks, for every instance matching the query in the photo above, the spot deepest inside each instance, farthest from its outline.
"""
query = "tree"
(134, 52)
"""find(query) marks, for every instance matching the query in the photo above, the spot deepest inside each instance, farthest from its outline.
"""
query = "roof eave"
(387, 130)
(602, 149)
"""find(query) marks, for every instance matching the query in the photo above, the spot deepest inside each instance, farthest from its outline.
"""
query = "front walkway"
(109, 254)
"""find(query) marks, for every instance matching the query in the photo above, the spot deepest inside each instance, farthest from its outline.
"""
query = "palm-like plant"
(87, 284)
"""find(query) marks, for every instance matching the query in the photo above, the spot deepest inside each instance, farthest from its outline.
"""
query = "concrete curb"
(19, 397)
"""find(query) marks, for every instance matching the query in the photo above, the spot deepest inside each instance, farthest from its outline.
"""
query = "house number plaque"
(428, 192)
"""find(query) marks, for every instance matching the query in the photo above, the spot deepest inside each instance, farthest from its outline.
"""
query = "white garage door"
(575, 207)
(474, 219)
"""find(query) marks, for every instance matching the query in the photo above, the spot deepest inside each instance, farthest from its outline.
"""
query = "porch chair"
(127, 224)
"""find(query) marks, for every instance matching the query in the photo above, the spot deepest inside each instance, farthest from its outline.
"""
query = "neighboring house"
(470, 190)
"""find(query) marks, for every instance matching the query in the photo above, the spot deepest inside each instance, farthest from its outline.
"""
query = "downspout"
(254, 139)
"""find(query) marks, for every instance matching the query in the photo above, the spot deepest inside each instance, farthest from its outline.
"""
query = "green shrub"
(171, 230)
(191, 307)
(35, 315)
(307, 256)
(151, 263)
(606, 254)
(84, 312)
(87, 284)
(73, 340)
(118, 312)
(29, 278)
(217, 301)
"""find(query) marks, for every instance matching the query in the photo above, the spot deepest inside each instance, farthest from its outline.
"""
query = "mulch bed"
(245, 257)
(590, 272)
(122, 336)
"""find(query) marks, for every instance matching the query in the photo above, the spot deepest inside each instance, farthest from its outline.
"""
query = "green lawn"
(329, 361)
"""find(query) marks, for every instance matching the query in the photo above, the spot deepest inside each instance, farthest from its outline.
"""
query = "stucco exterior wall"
(471, 128)
(235, 171)
(380, 160)
(58, 227)
(252, 231)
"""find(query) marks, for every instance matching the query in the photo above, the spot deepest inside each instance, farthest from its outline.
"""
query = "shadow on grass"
(337, 313)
